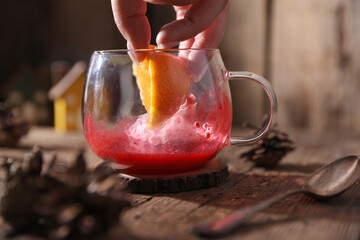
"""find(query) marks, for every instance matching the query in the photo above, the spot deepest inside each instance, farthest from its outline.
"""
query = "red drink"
(186, 93)
(184, 141)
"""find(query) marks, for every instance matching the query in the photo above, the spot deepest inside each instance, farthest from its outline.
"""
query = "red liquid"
(183, 143)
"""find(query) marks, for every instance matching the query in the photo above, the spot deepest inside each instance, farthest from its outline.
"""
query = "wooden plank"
(76, 33)
(167, 216)
(315, 63)
(171, 216)
(242, 49)
(174, 215)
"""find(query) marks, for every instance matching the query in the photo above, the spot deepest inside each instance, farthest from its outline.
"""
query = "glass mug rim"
(120, 51)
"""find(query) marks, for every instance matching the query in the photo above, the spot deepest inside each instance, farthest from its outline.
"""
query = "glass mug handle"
(273, 106)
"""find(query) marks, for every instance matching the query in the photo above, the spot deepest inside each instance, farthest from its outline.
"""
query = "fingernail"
(128, 45)
(167, 45)
(131, 54)
(152, 1)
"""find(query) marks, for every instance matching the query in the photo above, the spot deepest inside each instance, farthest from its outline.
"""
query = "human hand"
(198, 24)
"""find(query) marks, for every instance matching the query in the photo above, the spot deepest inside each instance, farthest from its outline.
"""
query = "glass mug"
(115, 120)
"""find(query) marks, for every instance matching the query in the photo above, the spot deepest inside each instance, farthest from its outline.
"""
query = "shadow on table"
(291, 168)
(242, 190)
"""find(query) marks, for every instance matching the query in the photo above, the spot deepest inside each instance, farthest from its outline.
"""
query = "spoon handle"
(229, 223)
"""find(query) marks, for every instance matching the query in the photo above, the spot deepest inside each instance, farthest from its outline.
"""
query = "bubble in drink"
(183, 142)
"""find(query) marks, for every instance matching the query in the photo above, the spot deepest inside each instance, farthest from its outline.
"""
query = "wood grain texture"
(242, 49)
(176, 214)
(209, 175)
(309, 50)
(172, 216)
(315, 63)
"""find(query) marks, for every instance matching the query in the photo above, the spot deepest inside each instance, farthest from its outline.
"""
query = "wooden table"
(172, 216)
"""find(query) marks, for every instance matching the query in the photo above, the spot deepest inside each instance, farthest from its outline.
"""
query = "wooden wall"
(43, 31)
(36, 33)
(242, 49)
(316, 63)
(309, 50)
(80, 27)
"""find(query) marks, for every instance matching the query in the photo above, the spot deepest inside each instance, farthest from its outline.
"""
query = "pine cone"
(85, 204)
(271, 149)
(19, 188)
(12, 125)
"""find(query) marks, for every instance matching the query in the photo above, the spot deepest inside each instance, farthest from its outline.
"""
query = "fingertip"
(135, 56)
(168, 45)
(160, 38)
(163, 41)
(129, 45)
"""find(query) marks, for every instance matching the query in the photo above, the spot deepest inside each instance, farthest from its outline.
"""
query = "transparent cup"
(115, 121)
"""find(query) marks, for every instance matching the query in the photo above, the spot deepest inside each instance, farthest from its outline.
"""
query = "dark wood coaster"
(211, 174)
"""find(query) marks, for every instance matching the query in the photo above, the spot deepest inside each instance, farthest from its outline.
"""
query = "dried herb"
(12, 125)
(271, 149)
(84, 204)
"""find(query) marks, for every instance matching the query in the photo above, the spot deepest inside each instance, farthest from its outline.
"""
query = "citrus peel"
(164, 81)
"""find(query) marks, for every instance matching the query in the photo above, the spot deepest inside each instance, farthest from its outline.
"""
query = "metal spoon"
(330, 180)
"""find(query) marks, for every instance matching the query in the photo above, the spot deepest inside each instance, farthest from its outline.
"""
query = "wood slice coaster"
(211, 174)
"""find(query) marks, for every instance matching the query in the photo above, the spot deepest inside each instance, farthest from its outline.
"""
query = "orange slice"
(163, 81)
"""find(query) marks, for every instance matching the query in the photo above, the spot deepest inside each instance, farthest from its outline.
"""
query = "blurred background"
(309, 50)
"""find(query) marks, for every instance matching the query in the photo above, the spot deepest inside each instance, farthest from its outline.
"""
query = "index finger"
(172, 2)
(131, 21)
(198, 17)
